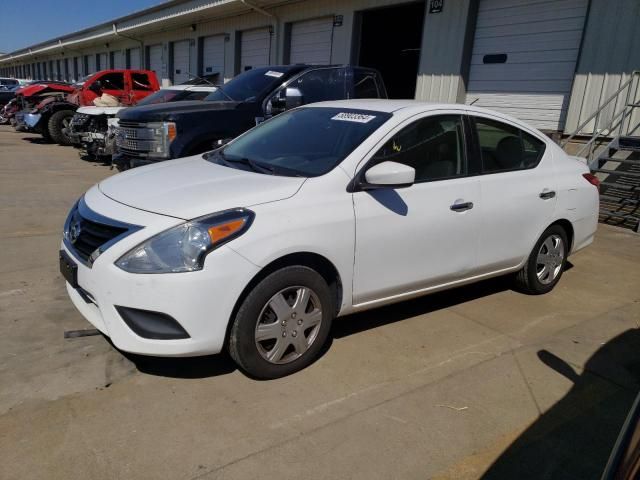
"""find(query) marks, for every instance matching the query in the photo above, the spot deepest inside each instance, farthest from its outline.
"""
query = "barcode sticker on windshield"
(271, 73)
(353, 117)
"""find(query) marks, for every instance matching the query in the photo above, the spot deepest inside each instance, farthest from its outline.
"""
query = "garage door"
(255, 49)
(213, 55)
(524, 58)
(103, 61)
(155, 59)
(311, 41)
(134, 58)
(181, 61)
(91, 64)
(118, 60)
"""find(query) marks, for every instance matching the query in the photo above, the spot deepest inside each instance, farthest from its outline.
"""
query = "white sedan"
(322, 211)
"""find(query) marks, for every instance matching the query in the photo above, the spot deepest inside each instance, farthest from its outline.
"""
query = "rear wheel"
(283, 323)
(546, 262)
(58, 125)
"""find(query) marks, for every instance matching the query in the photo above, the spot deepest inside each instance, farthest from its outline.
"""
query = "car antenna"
(475, 101)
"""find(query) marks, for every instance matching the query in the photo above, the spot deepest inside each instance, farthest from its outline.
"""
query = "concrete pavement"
(477, 382)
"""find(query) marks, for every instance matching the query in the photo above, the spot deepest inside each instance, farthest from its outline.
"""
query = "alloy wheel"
(288, 324)
(550, 259)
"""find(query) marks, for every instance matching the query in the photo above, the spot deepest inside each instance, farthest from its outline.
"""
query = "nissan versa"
(324, 210)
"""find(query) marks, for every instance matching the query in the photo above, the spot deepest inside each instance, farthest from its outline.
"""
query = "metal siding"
(255, 49)
(311, 41)
(181, 61)
(213, 55)
(91, 64)
(610, 52)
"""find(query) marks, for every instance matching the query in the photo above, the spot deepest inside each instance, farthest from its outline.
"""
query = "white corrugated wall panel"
(92, 64)
(255, 49)
(181, 61)
(104, 61)
(541, 39)
(311, 41)
(213, 55)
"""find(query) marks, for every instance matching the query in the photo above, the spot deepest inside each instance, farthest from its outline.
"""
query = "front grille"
(79, 119)
(133, 137)
(88, 234)
(92, 236)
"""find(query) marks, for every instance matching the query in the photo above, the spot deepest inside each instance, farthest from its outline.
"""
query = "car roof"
(413, 107)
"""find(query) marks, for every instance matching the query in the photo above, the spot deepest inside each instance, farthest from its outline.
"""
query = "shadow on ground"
(574, 438)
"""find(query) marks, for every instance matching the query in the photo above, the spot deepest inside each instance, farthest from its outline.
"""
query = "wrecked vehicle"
(29, 96)
(52, 117)
(93, 127)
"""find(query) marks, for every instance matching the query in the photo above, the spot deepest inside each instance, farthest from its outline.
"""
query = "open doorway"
(389, 39)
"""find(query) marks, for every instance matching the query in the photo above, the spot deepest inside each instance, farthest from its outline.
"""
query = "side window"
(433, 146)
(364, 85)
(112, 81)
(320, 85)
(141, 81)
(506, 148)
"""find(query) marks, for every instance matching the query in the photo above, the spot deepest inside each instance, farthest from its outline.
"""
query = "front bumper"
(32, 119)
(201, 302)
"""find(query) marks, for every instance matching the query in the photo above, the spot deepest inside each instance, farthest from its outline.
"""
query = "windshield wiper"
(252, 164)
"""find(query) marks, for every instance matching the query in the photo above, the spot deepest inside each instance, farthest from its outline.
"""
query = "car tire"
(545, 264)
(271, 339)
(56, 125)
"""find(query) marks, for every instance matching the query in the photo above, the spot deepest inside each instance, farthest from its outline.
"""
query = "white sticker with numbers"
(353, 117)
(271, 73)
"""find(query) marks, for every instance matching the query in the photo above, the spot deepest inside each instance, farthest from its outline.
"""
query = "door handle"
(461, 207)
(547, 194)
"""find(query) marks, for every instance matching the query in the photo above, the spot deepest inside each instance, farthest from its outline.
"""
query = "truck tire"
(57, 124)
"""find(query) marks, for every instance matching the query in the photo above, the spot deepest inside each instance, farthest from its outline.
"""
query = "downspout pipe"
(276, 22)
(143, 60)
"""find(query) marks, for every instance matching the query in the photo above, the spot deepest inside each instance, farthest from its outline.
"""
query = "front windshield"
(305, 142)
(248, 86)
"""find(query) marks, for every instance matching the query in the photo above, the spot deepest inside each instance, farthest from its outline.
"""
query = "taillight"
(592, 179)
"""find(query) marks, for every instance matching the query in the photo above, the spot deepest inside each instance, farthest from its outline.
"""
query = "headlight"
(184, 248)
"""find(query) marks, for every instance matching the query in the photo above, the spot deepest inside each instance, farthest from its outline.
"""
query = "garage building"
(549, 62)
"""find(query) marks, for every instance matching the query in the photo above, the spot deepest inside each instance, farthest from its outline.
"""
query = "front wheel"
(282, 323)
(545, 264)
(58, 125)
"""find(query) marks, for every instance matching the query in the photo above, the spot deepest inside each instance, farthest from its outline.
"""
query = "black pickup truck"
(152, 133)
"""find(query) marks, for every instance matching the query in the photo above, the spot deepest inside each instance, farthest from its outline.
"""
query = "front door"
(414, 238)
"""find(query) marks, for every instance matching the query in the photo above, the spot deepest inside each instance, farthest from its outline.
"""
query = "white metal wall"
(92, 65)
(255, 48)
(103, 61)
(311, 41)
(181, 61)
(213, 55)
(541, 40)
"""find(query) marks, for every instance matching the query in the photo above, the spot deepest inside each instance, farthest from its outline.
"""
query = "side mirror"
(96, 87)
(293, 98)
(388, 175)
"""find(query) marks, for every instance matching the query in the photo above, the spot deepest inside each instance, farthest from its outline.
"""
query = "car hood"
(99, 110)
(191, 187)
(163, 111)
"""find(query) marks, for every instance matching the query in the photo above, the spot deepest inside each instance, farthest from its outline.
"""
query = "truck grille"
(88, 234)
(134, 137)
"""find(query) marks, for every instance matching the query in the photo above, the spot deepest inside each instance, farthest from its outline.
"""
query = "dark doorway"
(389, 40)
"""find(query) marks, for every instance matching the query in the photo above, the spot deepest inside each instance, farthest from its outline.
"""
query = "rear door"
(140, 86)
(518, 192)
(415, 238)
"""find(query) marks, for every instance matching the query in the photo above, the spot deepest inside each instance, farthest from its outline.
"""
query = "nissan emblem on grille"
(74, 231)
